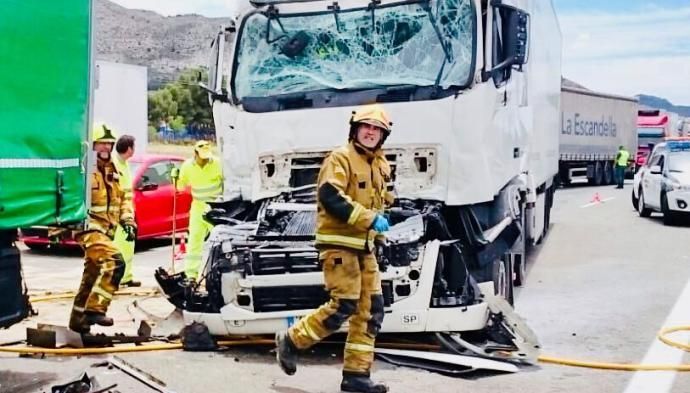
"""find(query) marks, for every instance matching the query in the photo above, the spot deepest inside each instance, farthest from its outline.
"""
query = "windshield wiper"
(446, 49)
(272, 14)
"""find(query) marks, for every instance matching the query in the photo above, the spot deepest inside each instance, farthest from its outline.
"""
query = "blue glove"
(380, 224)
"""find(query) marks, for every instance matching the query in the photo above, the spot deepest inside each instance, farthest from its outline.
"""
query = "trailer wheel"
(608, 173)
(598, 175)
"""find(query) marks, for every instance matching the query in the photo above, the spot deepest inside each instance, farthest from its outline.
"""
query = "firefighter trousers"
(103, 270)
(127, 250)
(198, 231)
(354, 283)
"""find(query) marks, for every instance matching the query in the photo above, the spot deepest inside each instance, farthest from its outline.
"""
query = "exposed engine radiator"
(302, 223)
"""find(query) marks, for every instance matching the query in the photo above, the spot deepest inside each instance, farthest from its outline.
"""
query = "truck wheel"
(608, 173)
(634, 199)
(669, 216)
(502, 278)
(520, 268)
(642, 209)
(598, 173)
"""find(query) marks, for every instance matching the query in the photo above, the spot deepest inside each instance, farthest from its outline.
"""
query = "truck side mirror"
(655, 170)
(515, 37)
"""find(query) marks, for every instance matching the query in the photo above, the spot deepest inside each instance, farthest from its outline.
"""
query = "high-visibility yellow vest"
(125, 176)
(206, 181)
(623, 156)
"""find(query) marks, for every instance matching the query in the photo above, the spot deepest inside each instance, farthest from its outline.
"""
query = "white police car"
(663, 183)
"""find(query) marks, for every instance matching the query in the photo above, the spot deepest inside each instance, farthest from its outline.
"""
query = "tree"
(183, 98)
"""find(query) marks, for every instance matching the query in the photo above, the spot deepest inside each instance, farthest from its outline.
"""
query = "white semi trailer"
(593, 125)
(120, 99)
(473, 90)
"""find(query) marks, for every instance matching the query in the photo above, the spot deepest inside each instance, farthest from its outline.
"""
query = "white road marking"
(597, 202)
(658, 352)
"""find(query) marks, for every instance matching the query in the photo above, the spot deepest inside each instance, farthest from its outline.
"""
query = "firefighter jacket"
(110, 205)
(206, 181)
(352, 190)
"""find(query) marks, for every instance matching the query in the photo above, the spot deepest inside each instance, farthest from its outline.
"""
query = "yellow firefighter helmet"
(373, 114)
(103, 133)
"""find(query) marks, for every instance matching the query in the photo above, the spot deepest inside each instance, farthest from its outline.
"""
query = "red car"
(153, 203)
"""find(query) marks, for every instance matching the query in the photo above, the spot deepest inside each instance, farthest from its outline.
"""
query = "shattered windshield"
(421, 44)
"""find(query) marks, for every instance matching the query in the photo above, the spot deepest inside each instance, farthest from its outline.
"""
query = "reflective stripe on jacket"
(352, 189)
(206, 182)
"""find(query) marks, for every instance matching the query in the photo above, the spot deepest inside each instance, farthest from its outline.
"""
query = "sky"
(624, 47)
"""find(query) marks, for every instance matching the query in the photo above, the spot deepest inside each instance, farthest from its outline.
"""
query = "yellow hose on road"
(48, 296)
(662, 335)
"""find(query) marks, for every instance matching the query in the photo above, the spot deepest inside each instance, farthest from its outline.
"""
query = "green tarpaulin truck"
(45, 85)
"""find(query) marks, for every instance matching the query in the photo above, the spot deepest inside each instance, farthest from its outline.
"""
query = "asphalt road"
(600, 286)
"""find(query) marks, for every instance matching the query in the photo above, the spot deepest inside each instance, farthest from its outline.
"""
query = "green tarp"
(44, 110)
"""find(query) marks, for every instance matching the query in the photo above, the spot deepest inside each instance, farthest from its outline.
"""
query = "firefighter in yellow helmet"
(104, 265)
(205, 176)
(352, 194)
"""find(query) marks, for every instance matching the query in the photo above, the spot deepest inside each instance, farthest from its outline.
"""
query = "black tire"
(634, 199)
(642, 209)
(38, 247)
(520, 269)
(502, 278)
(670, 218)
(608, 173)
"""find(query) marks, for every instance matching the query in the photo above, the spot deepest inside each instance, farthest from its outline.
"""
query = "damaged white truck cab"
(472, 88)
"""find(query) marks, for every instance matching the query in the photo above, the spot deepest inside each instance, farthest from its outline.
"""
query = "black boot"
(131, 284)
(361, 383)
(286, 353)
(93, 318)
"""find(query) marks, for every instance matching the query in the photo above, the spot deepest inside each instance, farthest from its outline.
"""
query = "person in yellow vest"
(124, 150)
(352, 195)
(204, 174)
(620, 165)
(104, 265)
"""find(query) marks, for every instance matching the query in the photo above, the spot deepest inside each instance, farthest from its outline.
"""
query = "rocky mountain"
(662, 103)
(166, 45)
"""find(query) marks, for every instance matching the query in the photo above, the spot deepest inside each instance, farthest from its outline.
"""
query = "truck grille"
(281, 261)
(288, 298)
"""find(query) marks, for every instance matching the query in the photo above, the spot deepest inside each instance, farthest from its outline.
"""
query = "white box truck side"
(121, 99)
(593, 125)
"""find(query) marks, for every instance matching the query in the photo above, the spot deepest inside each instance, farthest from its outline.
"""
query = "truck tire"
(642, 209)
(608, 173)
(520, 269)
(598, 173)
(634, 199)
(501, 275)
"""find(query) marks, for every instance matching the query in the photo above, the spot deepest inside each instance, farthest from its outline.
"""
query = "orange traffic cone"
(595, 198)
(181, 249)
